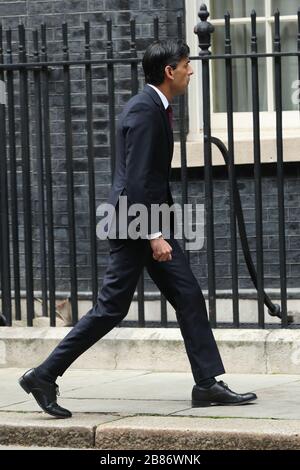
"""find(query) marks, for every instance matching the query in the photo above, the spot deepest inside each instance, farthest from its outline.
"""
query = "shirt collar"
(164, 100)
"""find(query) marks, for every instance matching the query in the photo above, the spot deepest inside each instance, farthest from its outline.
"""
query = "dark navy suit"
(144, 154)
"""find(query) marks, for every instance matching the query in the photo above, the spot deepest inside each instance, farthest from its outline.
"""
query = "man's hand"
(161, 249)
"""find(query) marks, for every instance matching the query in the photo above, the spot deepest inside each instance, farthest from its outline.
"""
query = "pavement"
(144, 409)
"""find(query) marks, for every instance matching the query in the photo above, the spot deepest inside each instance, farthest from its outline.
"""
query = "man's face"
(181, 76)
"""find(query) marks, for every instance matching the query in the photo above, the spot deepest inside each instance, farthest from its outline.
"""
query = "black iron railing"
(16, 110)
(204, 30)
(37, 71)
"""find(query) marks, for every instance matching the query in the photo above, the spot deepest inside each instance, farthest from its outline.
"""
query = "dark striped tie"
(169, 111)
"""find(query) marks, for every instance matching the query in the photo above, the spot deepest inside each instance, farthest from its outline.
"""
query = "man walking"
(144, 154)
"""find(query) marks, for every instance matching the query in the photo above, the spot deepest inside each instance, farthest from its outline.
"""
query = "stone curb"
(152, 433)
(75, 437)
(163, 433)
(39, 429)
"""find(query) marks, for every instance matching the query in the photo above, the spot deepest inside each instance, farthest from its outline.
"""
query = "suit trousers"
(177, 283)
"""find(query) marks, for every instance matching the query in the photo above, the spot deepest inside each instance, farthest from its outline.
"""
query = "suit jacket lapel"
(168, 129)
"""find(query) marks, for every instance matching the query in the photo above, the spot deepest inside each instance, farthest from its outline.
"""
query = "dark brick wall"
(53, 12)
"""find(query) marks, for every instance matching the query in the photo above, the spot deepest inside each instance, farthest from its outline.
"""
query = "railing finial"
(203, 30)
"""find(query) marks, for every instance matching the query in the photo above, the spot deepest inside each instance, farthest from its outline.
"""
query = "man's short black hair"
(158, 55)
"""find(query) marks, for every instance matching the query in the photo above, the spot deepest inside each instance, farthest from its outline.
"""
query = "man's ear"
(169, 72)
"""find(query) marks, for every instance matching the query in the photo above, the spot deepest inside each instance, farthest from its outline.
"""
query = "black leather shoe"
(45, 394)
(219, 394)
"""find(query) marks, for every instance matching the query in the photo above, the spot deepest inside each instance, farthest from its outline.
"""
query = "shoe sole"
(203, 404)
(25, 387)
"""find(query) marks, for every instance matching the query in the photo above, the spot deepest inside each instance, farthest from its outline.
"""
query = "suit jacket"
(144, 152)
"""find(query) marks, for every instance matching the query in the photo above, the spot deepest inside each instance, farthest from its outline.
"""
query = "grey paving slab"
(120, 407)
(152, 386)
(11, 393)
(41, 419)
(95, 377)
(278, 402)
(77, 377)
(255, 382)
(161, 393)
(172, 386)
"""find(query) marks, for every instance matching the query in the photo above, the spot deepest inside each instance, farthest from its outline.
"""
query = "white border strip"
(2, 92)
